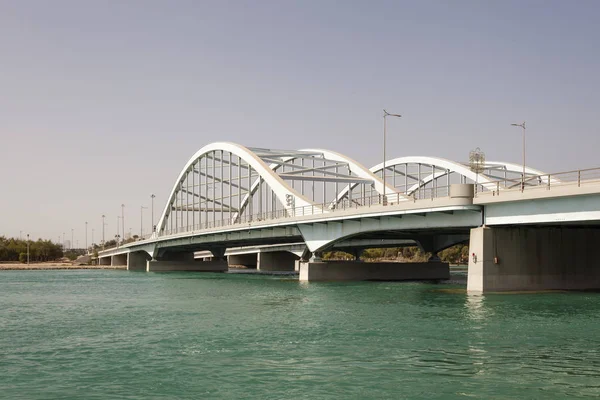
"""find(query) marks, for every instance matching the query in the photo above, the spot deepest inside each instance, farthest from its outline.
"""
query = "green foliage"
(405, 254)
(337, 255)
(41, 250)
(71, 255)
(23, 258)
(457, 254)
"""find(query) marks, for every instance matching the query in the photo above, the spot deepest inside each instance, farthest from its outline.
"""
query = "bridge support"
(104, 261)
(184, 261)
(276, 261)
(533, 258)
(247, 260)
(119, 260)
(380, 271)
(136, 261)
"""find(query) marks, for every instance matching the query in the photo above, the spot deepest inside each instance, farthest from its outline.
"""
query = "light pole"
(117, 235)
(63, 243)
(523, 177)
(142, 221)
(28, 249)
(385, 114)
(152, 196)
(92, 237)
(103, 224)
(72, 230)
(86, 248)
(123, 219)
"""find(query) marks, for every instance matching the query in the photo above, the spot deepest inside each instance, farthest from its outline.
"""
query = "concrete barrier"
(381, 271)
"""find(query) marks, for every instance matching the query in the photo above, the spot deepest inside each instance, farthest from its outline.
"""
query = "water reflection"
(475, 307)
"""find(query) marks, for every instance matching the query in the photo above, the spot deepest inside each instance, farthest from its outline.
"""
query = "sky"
(103, 102)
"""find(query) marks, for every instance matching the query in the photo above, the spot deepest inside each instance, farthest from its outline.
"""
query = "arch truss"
(226, 183)
(429, 177)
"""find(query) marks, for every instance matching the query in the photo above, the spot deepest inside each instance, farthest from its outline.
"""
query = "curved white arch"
(452, 166)
(436, 161)
(507, 166)
(360, 170)
(528, 170)
(279, 187)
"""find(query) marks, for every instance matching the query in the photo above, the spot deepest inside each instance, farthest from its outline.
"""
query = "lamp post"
(86, 248)
(72, 230)
(103, 224)
(63, 243)
(117, 235)
(123, 219)
(92, 237)
(523, 177)
(152, 196)
(142, 221)
(385, 114)
(28, 249)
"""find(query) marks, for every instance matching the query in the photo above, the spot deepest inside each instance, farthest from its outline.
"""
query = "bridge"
(527, 231)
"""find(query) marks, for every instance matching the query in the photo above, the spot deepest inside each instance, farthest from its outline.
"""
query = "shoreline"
(54, 266)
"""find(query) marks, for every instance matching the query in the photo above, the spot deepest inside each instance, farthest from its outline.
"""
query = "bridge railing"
(576, 178)
(365, 202)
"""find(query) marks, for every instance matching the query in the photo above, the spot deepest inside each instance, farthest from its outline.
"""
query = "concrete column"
(105, 261)
(184, 261)
(197, 266)
(119, 260)
(276, 261)
(247, 260)
(137, 261)
(533, 258)
(381, 271)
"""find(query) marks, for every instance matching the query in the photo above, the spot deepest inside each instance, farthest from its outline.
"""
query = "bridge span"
(532, 232)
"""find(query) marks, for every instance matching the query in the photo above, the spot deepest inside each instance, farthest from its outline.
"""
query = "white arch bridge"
(230, 196)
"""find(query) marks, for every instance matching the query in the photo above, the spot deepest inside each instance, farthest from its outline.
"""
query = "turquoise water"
(126, 335)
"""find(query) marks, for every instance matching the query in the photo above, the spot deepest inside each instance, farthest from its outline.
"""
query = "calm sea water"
(126, 335)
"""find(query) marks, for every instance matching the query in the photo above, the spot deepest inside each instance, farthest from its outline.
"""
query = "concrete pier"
(105, 260)
(381, 271)
(136, 261)
(276, 261)
(533, 258)
(247, 260)
(197, 266)
(118, 260)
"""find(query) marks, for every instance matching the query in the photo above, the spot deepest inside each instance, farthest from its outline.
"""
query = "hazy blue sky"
(102, 102)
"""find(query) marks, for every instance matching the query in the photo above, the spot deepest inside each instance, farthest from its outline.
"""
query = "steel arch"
(279, 187)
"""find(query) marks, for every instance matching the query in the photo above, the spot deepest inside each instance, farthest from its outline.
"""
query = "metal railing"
(396, 199)
(578, 178)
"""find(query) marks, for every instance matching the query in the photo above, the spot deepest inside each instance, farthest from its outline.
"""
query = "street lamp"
(142, 221)
(123, 219)
(117, 235)
(72, 238)
(385, 114)
(86, 248)
(523, 177)
(103, 224)
(152, 196)
(28, 249)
